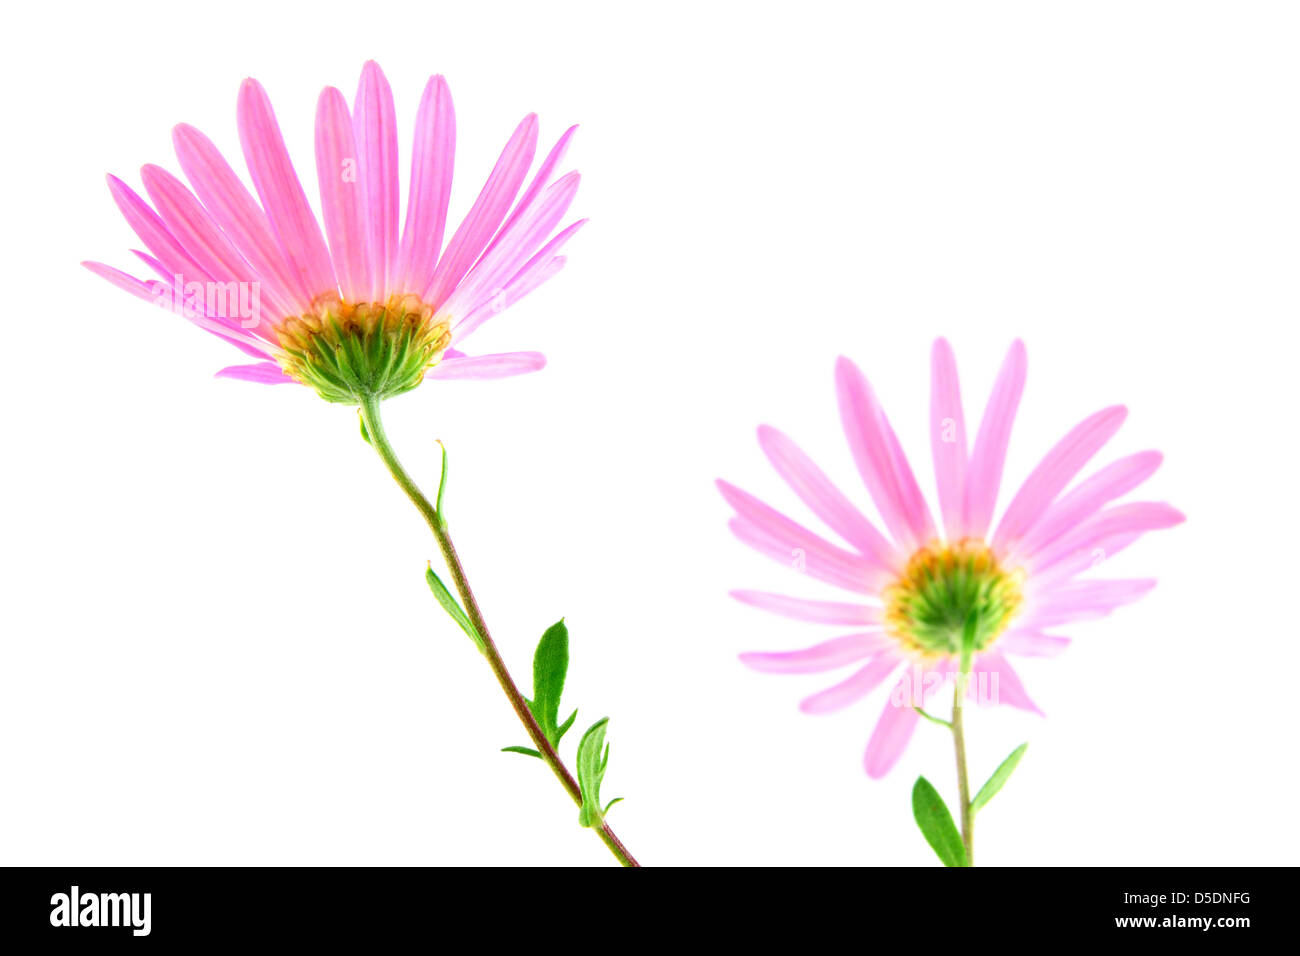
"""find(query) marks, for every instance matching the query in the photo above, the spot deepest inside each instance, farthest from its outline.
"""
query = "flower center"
(348, 350)
(944, 587)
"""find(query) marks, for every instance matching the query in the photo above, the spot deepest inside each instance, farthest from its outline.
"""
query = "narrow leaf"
(550, 665)
(1000, 777)
(442, 485)
(592, 758)
(936, 824)
(527, 751)
(451, 607)
(611, 803)
(364, 434)
(564, 727)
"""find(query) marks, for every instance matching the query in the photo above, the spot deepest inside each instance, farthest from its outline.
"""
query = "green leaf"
(936, 824)
(593, 757)
(564, 727)
(527, 751)
(1000, 777)
(442, 485)
(611, 803)
(550, 665)
(451, 607)
(364, 434)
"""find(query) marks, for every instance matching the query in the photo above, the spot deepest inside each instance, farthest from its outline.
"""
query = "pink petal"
(816, 612)
(487, 213)
(192, 304)
(508, 296)
(947, 437)
(1137, 516)
(984, 470)
(826, 656)
(153, 232)
(343, 196)
(1003, 683)
(500, 365)
(1091, 598)
(1116, 479)
(853, 689)
(207, 244)
(237, 213)
(767, 530)
(804, 556)
(826, 501)
(881, 461)
(501, 263)
(543, 176)
(150, 291)
(534, 272)
(265, 373)
(162, 293)
(1030, 643)
(161, 271)
(1082, 560)
(296, 230)
(1054, 472)
(432, 162)
(893, 731)
(375, 132)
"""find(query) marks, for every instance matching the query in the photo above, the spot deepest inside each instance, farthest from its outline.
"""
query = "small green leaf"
(364, 434)
(451, 607)
(593, 757)
(936, 824)
(611, 803)
(442, 485)
(930, 717)
(550, 665)
(1000, 777)
(527, 751)
(564, 727)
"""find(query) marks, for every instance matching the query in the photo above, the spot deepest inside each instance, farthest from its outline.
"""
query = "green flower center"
(943, 588)
(349, 350)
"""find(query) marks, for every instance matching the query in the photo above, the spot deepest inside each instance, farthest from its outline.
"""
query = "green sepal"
(452, 608)
(936, 823)
(1000, 777)
(526, 751)
(593, 758)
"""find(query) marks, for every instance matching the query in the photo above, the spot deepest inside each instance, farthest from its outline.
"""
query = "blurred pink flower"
(356, 306)
(922, 582)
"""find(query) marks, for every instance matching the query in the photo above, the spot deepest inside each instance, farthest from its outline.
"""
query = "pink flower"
(925, 583)
(356, 308)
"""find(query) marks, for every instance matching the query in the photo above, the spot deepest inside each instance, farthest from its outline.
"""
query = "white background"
(217, 644)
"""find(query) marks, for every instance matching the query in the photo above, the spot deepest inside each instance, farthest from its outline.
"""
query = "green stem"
(963, 783)
(379, 440)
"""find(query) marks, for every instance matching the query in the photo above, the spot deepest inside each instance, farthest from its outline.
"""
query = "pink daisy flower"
(922, 584)
(361, 308)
